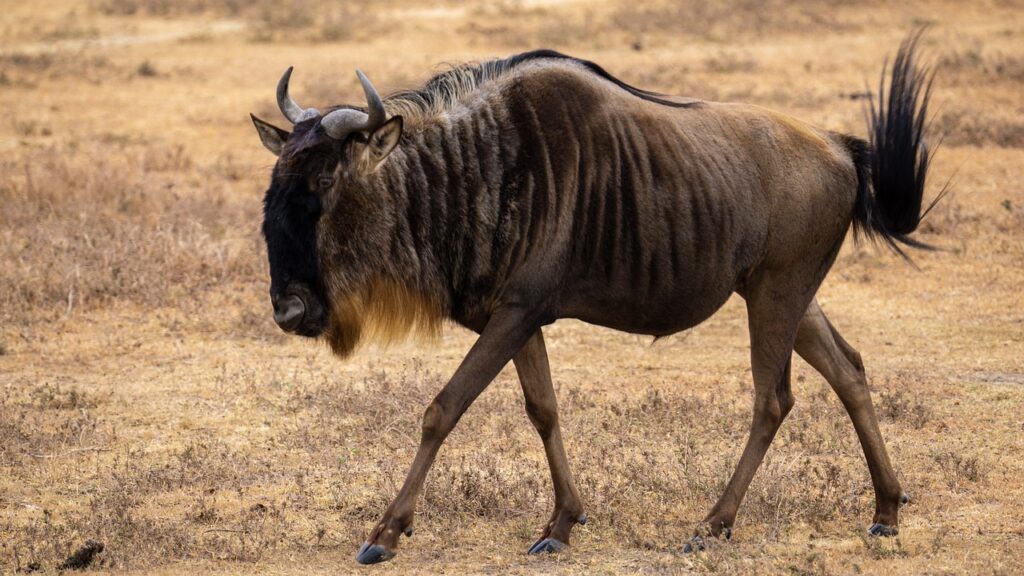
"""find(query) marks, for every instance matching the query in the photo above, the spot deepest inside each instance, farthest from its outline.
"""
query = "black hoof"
(883, 531)
(373, 554)
(696, 544)
(546, 545)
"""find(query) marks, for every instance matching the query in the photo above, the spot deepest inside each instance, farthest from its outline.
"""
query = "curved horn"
(340, 123)
(292, 111)
(374, 105)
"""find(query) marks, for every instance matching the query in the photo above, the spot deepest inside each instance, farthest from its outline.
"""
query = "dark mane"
(446, 88)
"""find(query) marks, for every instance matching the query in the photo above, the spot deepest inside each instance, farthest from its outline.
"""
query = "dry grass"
(320, 477)
(147, 401)
(966, 124)
(87, 225)
(268, 20)
(722, 21)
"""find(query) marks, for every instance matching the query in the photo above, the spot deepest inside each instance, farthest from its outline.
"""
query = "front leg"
(542, 407)
(506, 332)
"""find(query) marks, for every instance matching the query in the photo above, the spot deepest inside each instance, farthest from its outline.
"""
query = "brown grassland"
(148, 401)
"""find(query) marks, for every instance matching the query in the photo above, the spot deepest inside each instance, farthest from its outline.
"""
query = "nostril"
(288, 313)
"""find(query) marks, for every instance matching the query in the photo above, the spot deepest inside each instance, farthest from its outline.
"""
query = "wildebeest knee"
(435, 421)
(772, 408)
(853, 390)
(786, 402)
(852, 356)
(543, 416)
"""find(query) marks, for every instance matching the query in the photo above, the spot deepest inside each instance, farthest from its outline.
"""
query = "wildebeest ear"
(382, 141)
(271, 136)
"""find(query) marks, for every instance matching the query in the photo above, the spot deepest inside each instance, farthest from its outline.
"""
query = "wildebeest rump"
(511, 193)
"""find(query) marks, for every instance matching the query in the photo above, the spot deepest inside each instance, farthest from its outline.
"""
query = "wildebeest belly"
(654, 297)
(664, 230)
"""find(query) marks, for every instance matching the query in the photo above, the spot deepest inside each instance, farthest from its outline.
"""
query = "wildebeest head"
(320, 175)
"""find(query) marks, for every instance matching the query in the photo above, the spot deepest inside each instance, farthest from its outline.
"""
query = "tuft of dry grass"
(959, 469)
(899, 407)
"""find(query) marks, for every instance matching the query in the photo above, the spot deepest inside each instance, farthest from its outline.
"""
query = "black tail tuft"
(895, 162)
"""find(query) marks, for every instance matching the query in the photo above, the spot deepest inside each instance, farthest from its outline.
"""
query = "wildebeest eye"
(325, 182)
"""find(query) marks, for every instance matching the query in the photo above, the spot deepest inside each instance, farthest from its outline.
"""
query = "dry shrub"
(311, 20)
(170, 7)
(86, 226)
(968, 65)
(36, 545)
(40, 422)
(904, 408)
(255, 532)
(648, 466)
(882, 548)
(958, 468)
(40, 425)
(813, 490)
(28, 62)
(57, 431)
(576, 25)
(130, 538)
(640, 460)
(487, 483)
(117, 511)
(949, 217)
(965, 124)
(725, 20)
(343, 421)
(730, 62)
(71, 27)
(269, 20)
(381, 400)
(26, 70)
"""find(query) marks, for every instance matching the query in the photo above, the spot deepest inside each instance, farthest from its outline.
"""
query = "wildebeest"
(507, 194)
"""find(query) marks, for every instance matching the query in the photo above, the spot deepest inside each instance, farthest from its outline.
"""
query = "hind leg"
(823, 348)
(775, 306)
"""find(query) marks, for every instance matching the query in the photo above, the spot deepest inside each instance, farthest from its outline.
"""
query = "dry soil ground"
(148, 402)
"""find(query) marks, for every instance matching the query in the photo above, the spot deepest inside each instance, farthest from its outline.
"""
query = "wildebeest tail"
(893, 165)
